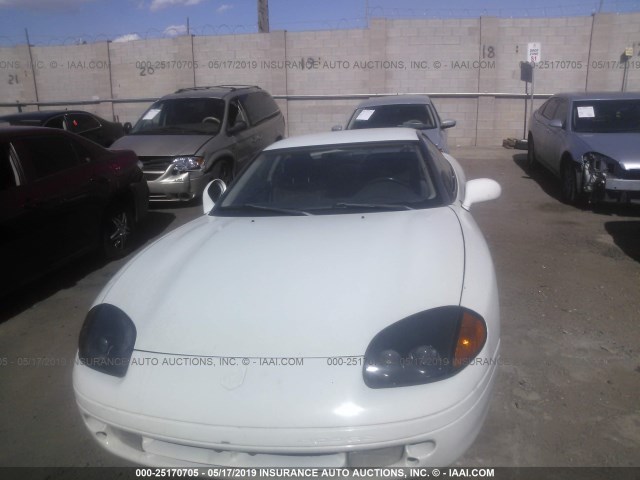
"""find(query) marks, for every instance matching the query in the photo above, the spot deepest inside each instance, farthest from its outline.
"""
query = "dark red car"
(62, 196)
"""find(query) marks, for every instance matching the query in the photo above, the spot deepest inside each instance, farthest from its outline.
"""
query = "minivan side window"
(259, 106)
(236, 114)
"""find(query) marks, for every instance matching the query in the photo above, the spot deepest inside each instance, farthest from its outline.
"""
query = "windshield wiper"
(288, 211)
(386, 206)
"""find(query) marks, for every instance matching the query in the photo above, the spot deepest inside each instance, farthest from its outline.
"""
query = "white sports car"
(337, 306)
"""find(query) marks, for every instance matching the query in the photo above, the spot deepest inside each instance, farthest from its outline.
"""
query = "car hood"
(161, 145)
(289, 286)
(622, 147)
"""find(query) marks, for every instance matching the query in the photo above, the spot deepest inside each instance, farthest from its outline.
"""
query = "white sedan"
(337, 306)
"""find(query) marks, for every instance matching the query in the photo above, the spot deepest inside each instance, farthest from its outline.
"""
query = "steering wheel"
(211, 120)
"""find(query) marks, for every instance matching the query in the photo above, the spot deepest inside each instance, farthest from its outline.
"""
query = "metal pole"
(526, 92)
(533, 78)
(33, 71)
(193, 61)
(113, 109)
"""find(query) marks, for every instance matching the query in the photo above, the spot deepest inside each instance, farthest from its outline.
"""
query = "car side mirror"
(336, 128)
(556, 123)
(447, 124)
(480, 190)
(238, 127)
(212, 193)
(127, 127)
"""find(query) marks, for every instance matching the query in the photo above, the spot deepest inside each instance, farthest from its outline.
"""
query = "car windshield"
(333, 179)
(606, 116)
(382, 116)
(182, 116)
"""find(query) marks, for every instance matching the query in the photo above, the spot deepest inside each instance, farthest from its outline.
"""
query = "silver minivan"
(194, 135)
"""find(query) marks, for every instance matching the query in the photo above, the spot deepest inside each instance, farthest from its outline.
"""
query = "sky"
(56, 22)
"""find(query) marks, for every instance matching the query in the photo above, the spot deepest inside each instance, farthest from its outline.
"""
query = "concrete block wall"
(472, 56)
(313, 116)
(16, 77)
(611, 35)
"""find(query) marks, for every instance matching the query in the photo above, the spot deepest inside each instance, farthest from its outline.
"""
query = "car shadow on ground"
(626, 235)
(549, 184)
(69, 275)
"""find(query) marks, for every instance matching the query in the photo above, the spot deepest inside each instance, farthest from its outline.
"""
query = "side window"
(47, 155)
(549, 109)
(55, 122)
(81, 122)
(236, 114)
(259, 106)
(9, 177)
(561, 111)
(434, 114)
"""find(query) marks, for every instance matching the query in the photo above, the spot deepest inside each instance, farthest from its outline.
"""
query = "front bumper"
(433, 440)
(610, 182)
(176, 186)
(620, 185)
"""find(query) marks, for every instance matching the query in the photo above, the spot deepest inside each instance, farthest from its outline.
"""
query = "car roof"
(365, 135)
(23, 131)
(576, 96)
(396, 100)
(41, 115)
(217, 91)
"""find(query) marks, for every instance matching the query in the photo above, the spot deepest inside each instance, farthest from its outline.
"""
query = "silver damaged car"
(591, 142)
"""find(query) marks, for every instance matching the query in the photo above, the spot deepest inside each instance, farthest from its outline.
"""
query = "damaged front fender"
(604, 179)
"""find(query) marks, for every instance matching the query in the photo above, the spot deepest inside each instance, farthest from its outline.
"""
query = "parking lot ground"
(569, 376)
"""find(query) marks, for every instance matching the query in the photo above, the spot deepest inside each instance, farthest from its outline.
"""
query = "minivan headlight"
(187, 164)
(424, 347)
(106, 340)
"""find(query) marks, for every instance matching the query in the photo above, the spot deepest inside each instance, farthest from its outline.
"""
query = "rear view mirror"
(556, 123)
(480, 190)
(336, 128)
(127, 127)
(212, 193)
